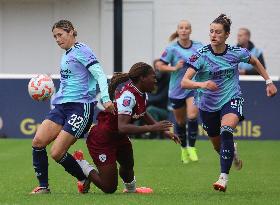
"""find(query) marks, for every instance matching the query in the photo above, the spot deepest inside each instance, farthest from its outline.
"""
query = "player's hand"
(271, 90)
(179, 65)
(109, 107)
(173, 137)
(161, 126)
(210, 85)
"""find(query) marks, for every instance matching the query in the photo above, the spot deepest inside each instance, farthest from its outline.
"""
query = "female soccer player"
(74, 106)
(108, 141)
(172, 60)
(219, 98)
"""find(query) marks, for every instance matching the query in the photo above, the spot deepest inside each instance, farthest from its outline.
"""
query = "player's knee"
(37, 142)
(109, 189)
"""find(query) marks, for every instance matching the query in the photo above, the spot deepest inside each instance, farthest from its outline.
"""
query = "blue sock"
(72, 167)
(181, 132)
(192, 132)
(40, 164)
(227, 149)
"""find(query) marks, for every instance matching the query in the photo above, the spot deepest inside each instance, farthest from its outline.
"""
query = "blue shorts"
(178, 103)
(76, 118)
(211, 121)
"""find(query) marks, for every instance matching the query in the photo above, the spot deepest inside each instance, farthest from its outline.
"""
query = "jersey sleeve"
(126, 103)
(244, 55)
(167, 55)
(86, 56)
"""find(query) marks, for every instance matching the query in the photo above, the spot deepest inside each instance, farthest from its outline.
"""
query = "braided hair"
(138, 70)
(66, 26)
(225, 21)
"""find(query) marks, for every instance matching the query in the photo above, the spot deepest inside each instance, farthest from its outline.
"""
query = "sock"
(224, 176)
(40, 164)
(227, 149)
(131, 186)
(181, 132)
(86, 167)
(72, 167)
(192, 132)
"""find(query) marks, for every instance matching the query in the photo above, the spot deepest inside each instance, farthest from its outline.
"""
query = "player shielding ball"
(219, 97)
(108, 141)
(73, 109)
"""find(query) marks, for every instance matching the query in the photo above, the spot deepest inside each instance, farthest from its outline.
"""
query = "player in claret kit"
(218, 96)
(108, 141)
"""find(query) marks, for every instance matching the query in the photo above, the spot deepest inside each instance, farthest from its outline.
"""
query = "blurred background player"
(108, 141)
(243, 40)
(172, 60)
(219, 97)
(74, 106)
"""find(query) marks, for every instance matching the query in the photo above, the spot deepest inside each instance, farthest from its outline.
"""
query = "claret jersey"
(129, 101)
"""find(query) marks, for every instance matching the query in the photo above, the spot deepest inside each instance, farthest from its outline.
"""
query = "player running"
(184, 110)
(219, 97)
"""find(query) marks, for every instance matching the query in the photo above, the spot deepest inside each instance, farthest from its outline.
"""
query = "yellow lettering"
(28, 126)
(256, 131)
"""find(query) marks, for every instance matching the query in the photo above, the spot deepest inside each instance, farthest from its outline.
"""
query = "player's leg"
(59, 153)
(77, 122)
(179, 111)
(45, 134)
(192, 113)
(231, 115)
(105, 176)
(102, 149)
(126, 162)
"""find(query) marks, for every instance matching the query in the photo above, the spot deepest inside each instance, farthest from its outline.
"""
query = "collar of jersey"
(218, 54)
(70, 49)
(136, 88)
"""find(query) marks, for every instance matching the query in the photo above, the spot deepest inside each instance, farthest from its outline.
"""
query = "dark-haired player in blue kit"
(218, 96)
(184, 110)
(74, 107)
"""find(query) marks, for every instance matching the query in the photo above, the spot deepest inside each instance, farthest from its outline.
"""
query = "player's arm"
(97, 72)
(188, 83)
(125, 126)
(164, 67)
(271, 89)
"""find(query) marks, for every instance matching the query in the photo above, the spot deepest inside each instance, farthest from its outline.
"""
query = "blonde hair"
(175, 34)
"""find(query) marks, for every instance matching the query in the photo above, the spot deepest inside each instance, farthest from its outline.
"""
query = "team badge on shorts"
(102, 157)
(126, 101)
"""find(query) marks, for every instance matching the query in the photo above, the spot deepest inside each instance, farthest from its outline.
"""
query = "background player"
(108, 141)
(172, 60)
(219, 97)
(74, 106)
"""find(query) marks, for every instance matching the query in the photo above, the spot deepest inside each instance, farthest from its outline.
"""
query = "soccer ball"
(41, 87)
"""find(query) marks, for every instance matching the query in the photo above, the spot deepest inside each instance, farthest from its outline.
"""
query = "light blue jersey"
(221, 68)
(80, 71)
(172, 54)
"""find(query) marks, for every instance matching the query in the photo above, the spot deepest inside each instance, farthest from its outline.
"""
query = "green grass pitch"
(157, 165)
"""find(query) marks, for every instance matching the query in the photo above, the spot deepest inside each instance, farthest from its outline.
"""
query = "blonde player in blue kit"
(74, 108)
(218, 96)
(184, 110)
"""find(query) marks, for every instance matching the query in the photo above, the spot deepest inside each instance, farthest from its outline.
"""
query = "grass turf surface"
(157, 165)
